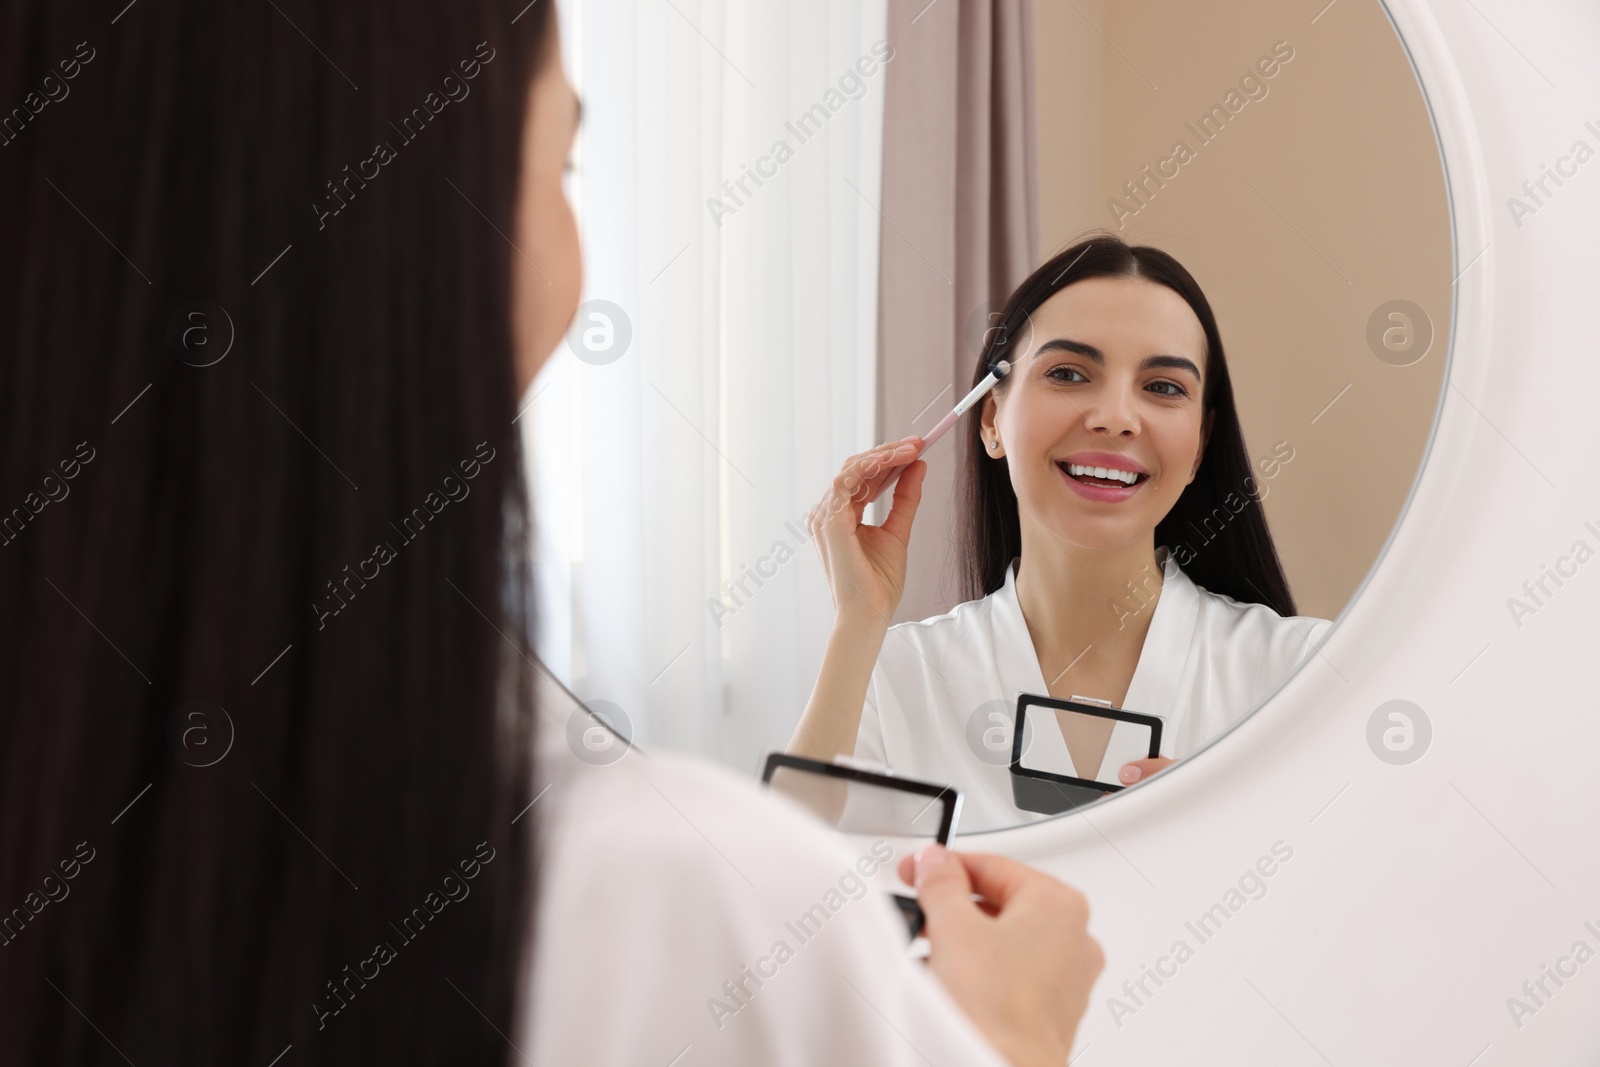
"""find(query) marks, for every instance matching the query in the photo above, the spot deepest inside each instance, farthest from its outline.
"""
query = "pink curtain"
(960, 230)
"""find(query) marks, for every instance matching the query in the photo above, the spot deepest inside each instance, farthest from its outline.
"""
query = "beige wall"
(1351, 213)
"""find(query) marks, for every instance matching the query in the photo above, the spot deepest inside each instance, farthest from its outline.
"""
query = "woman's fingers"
(894, 463)
(1140, 769)
(995, 878)
(862, 475)
(907, 495)
(944, 890)
(947, 883)
(1000, 880)
(1020, 961)
(857, 574)
(863, 479)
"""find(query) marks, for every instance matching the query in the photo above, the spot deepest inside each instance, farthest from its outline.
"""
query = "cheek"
(1179, 447)
(1031, 426)
(549, 294)
(565, 262)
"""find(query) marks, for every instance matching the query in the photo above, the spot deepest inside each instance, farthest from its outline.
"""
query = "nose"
(1113, 412)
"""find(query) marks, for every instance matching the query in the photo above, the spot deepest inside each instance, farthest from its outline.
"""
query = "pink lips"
(1105, 494)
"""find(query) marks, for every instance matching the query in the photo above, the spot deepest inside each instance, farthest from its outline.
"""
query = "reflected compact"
(1048, 789)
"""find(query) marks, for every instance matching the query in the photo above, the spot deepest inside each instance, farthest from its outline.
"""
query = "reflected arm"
(832, 718)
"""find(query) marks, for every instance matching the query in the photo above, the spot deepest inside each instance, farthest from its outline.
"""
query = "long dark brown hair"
(1217, 531)
(261, 514)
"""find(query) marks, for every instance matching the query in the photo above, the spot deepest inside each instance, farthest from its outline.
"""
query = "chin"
(1104, 535)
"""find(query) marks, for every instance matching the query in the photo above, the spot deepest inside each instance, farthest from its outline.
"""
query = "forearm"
(832, 717)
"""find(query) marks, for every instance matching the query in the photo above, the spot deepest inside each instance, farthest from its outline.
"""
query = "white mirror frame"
(1419, 898)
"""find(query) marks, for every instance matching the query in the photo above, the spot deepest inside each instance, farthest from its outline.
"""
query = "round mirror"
(1190, 264)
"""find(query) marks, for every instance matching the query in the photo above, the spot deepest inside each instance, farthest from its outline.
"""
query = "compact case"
(1050, 793)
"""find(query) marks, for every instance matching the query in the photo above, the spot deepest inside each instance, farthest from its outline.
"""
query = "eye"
(1057, 373)
(1177, 390)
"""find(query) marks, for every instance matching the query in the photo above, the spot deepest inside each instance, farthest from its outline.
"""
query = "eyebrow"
(1062, 344)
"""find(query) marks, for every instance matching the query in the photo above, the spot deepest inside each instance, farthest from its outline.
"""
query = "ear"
(1205, 438)
(989, 427)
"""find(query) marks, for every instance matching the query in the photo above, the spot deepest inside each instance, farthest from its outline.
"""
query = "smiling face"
(1110, 376)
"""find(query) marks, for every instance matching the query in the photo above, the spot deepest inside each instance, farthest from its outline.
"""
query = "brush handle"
(928, 442)
(943, 427)
(933, 435)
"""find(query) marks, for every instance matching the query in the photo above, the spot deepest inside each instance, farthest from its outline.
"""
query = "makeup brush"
(990, 380)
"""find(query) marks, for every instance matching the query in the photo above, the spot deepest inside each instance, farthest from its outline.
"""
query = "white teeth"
(1128, 477)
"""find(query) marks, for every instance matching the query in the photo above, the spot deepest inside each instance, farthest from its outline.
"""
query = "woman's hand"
(1140, 769)
(866, 569)
(1021, 963)
(866, 565)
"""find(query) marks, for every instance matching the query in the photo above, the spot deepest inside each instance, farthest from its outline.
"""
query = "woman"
(1114, 541)
(267, 791)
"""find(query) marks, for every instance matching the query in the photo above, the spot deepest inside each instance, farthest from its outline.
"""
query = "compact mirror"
(865, 802)
(836, 227)
(1068, 753)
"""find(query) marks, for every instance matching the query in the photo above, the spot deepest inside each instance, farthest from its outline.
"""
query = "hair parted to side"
(306, 534)
(1217, 531)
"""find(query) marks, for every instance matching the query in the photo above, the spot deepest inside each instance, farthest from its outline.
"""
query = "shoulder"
(671, 885)
(952, 627)
(1252, 626)
(612, 797)
(648, 808)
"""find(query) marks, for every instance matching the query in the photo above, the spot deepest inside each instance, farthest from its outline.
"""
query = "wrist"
(859, 622)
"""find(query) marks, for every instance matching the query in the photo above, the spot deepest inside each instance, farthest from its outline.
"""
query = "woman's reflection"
(1114, 543)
